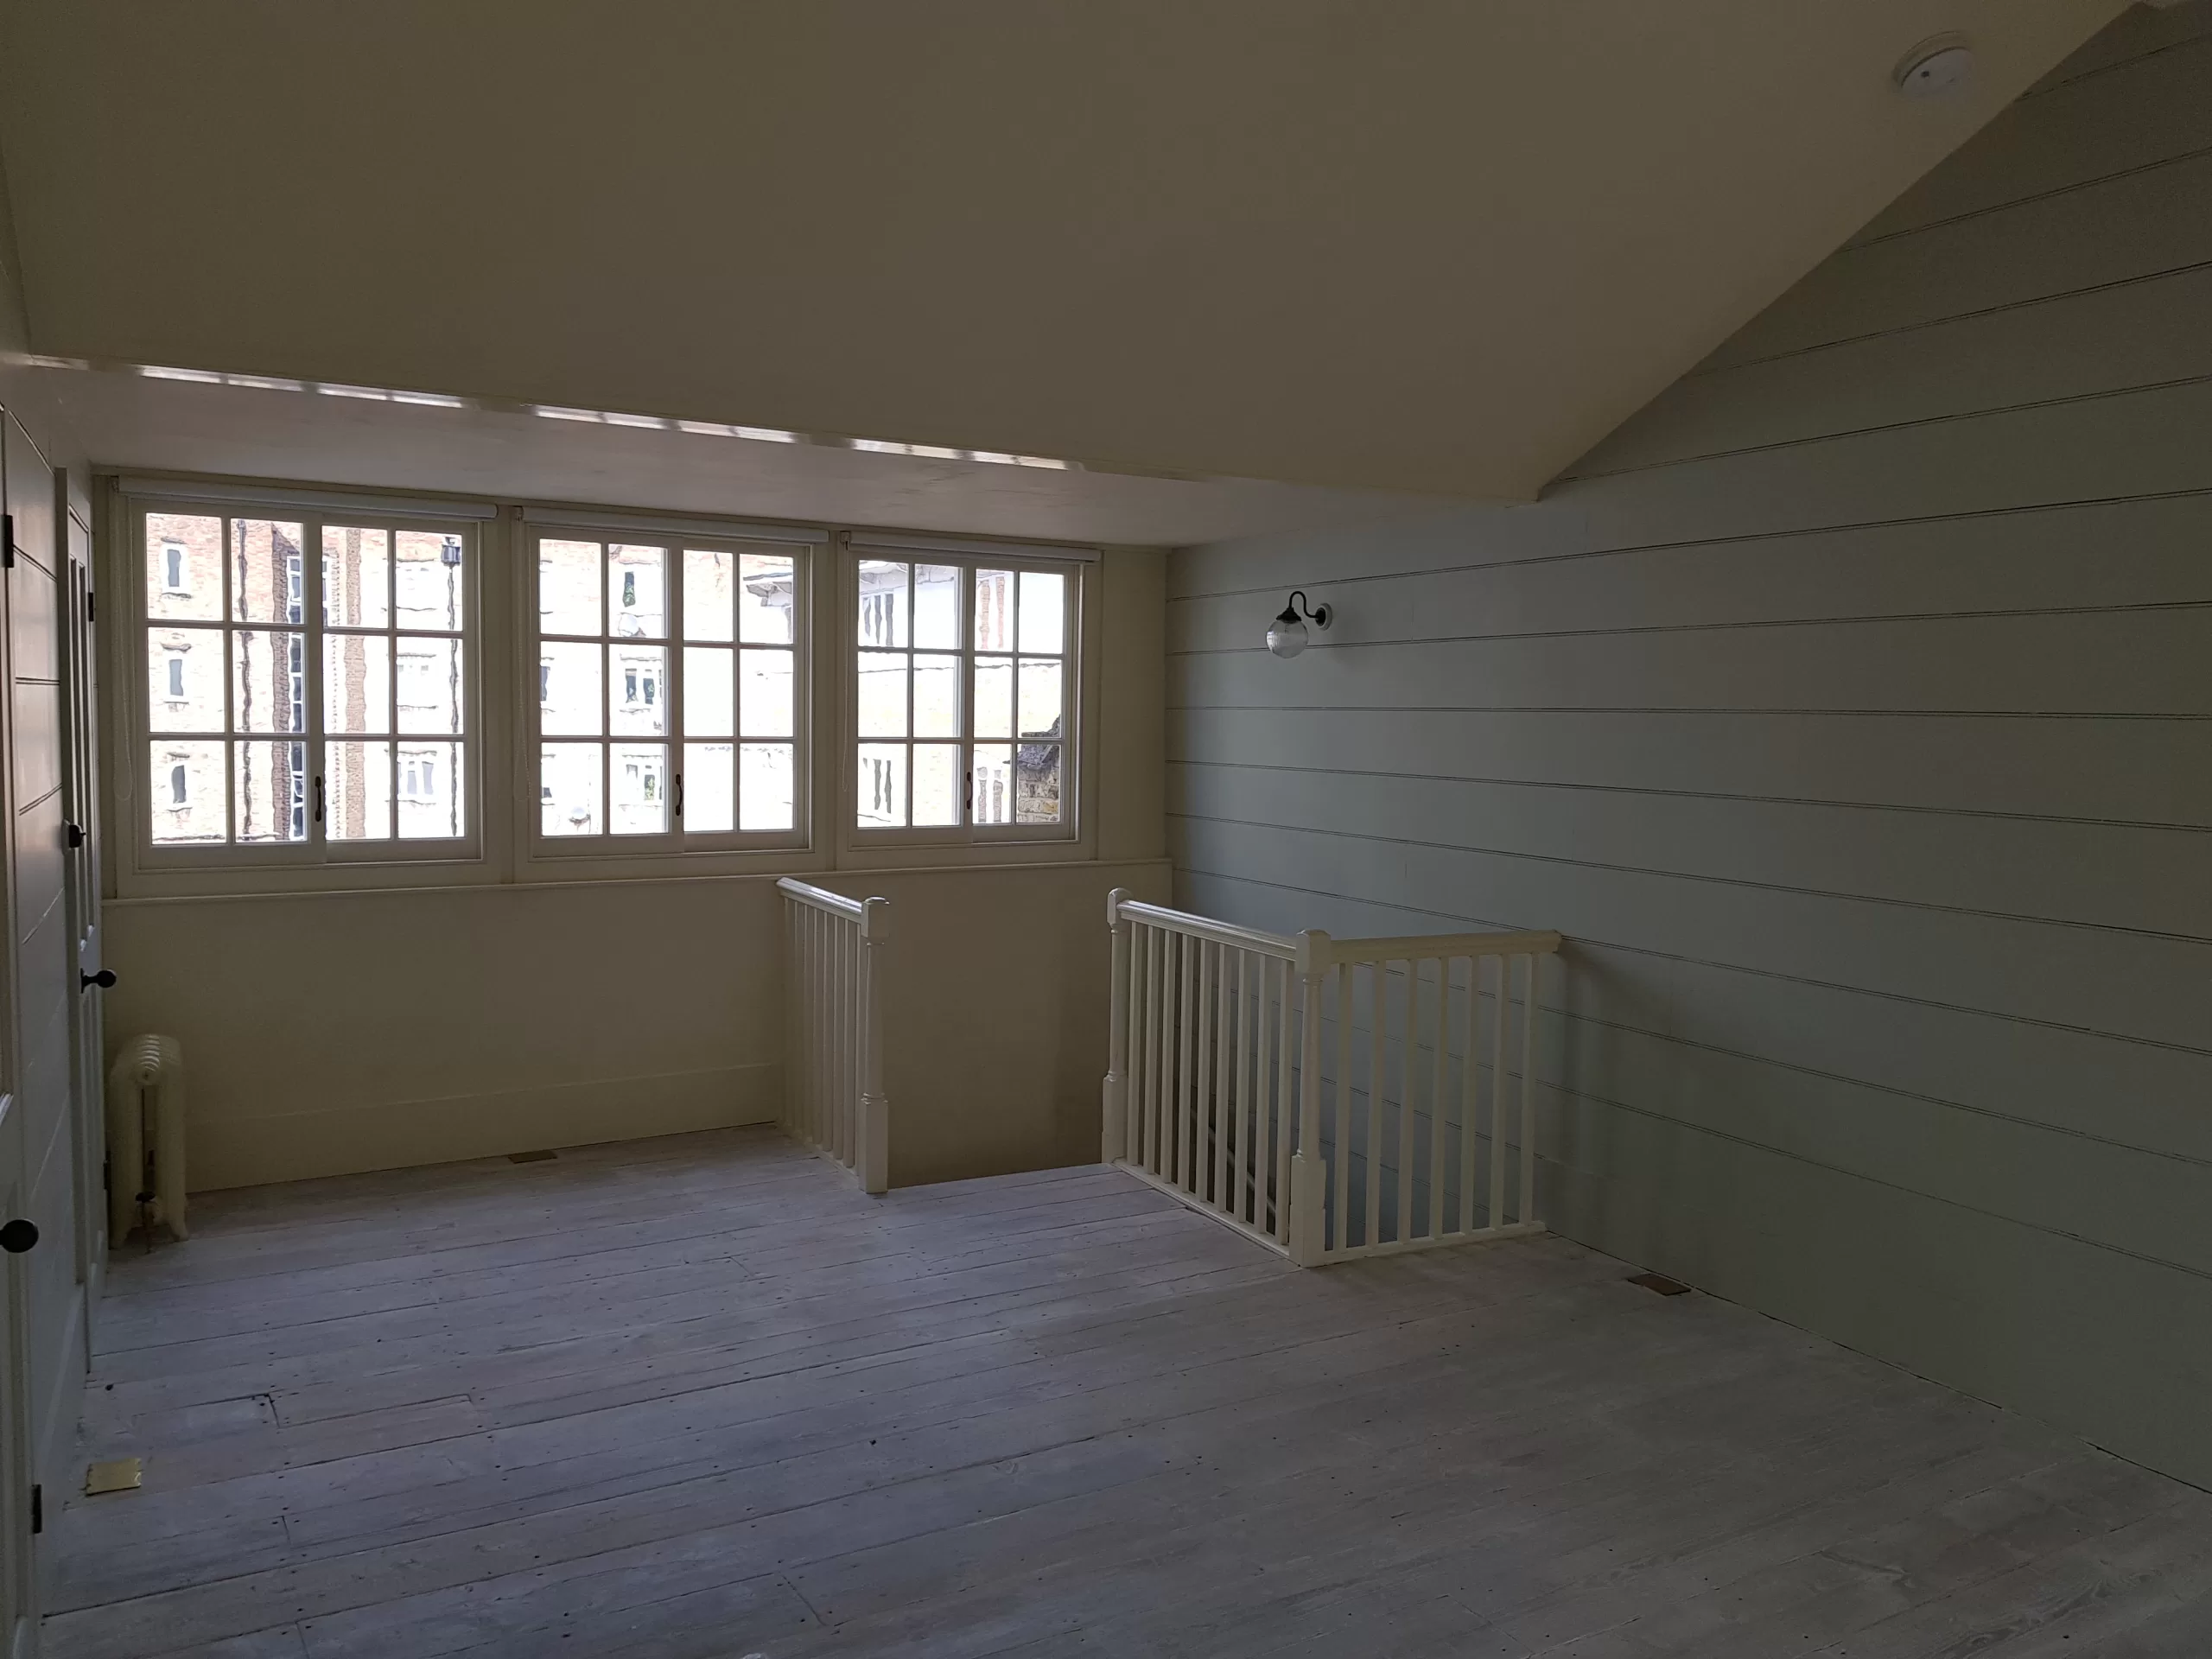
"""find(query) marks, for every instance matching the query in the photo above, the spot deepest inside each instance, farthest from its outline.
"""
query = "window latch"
(318, 798)
(679, 794)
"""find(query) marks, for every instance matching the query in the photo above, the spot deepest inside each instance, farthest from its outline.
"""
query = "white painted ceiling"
(1437, 247)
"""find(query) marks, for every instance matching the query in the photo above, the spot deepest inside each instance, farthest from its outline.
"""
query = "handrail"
(1204, 927)
(1214, 1089)
(822, 899)
(834, 1098)
(1427, 947)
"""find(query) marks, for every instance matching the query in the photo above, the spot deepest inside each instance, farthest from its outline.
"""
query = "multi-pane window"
(962, 697)
(667, 688)
(273, 716)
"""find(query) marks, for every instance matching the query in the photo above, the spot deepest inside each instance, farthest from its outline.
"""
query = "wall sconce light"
(1287, 634)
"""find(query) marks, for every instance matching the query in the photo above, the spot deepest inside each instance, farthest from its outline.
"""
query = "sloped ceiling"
(1436, 247)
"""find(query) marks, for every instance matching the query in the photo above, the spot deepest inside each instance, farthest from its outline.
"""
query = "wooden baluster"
(1185, 1070)
(874, 1104)
(1529, 1093)
(1113, 1134)
(1282, 1112)
(1219, 1113)
(1408, 1071)
(1305, 1232)
(1436, 1227)
(1155, 1043)
(1341, 1235)
(1469, 1070)
(1240, 1152)
(1378, 1027)
(1497, 1100)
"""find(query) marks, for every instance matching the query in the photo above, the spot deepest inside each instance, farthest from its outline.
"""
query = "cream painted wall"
(338, 1031)
(328, 1033)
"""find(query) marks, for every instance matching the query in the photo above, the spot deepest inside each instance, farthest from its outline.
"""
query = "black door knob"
(104, 979)
(18, 1235)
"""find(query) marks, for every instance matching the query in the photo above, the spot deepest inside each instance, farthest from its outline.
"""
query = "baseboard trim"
(400, 1134)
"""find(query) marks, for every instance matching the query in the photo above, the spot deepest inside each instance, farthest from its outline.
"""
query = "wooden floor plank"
(698, 1398)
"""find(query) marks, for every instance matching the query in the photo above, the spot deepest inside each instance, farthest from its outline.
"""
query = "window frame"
(656, 848)
(143, 780)
(1070, 837)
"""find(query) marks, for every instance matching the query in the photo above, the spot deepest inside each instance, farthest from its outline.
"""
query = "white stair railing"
(833, 1028)
(1203, 1098)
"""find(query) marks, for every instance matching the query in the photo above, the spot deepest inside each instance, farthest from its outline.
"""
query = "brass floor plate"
(121, 1475)
(530, 1157)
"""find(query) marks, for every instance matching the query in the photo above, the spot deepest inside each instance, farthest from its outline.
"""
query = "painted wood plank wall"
(1850, 710)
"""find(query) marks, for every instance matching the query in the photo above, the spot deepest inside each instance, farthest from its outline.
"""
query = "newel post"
(873, 1156)
(1113, 1137)
(1309, 1173)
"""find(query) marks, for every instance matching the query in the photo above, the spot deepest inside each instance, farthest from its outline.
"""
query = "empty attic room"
(1271, 830)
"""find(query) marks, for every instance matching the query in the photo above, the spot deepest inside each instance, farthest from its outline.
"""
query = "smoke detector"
(1935, 66)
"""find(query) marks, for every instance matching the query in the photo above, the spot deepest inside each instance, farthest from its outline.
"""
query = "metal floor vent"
(530, 1157)
(1659, 1282)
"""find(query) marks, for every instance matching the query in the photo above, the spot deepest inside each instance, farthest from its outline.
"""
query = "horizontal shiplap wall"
(1851, 711)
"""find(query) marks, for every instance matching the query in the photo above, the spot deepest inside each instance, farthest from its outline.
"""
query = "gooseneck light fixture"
(1287, 634)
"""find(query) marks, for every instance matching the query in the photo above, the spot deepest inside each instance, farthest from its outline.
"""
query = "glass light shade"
(1286, 635)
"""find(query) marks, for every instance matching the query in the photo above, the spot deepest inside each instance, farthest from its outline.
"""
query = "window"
(668, 707)
(273, 710)
(962, 691)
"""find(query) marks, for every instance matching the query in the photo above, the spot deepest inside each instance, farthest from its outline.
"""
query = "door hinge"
(74, 834)
(92, 607)
(38, 1508)
(6, 541)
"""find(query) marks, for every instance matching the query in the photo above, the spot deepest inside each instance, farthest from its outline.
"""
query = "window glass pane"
(269, 783)
(637, 596)
(357, 683)
(768, 693)
(359, 807)
(266, 571)
(765, 795)
(429, 685)
(883, 602)
(187, 796)
(882, 699)
(356, 577)
(882, 797)
(268, 684)
(567, 789)
(1043, 599)
(429, 580)
(709, 693)
(184, 567)
(184, 682)
(1037, 782)
(1040, 698)
(567, 587)
(937, 783)
(768, 600)
(709, 783)
(994, 784)
(710, 595)
(937, 698)
(568, 689)
(429, 791)
(637, 701)
(638, 777)
(994, 610)
(994, 698)
(937, 606)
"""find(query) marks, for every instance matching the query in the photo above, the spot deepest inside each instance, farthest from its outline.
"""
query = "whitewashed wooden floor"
(697, 1397)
